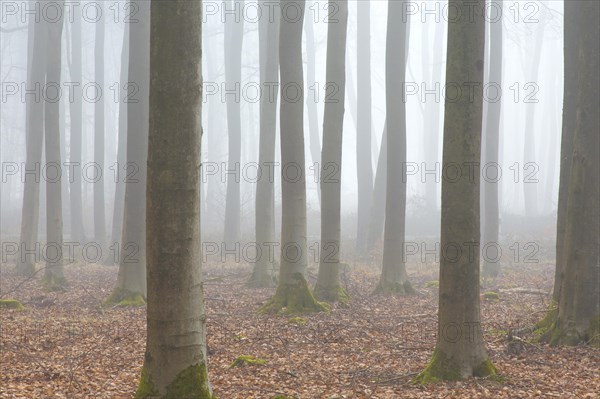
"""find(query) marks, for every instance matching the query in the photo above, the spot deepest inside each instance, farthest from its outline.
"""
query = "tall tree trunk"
(175, 360)
(117, 224)
(571, 42)
(131, 282)
(311, 101)
(75, 145)
(460, 350)
(491, 210)
(54, 278)
(530, 191)
(364, 164)
(393, 274)
(579, 293)
(234, 34)
(99, 211)
(328, 281)
(29, 246)
(292, 293)
(265, 188)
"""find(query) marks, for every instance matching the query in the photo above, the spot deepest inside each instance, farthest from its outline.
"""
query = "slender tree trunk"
(460, 350)
(175, 362)
(265, 189)
(311, 99)
(99, 211)
(117, 224)
(130, 289)
(328, 281)
(293, 294)
(234, 34)
(579, 293)
(363, 130)
(530, 191)
(377, 212)
(77, 231)
(493, 107)
(34, 142)
(54, 278)
(393, 274)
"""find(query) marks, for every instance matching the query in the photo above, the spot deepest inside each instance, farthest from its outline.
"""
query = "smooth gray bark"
(99, 133)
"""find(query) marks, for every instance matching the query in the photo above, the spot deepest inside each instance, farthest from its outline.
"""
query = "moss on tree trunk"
(293, 298)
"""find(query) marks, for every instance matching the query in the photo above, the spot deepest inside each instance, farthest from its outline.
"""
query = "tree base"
(190, 383)
(52, 283)
(441, 368)
(293, 298)
(392, 288)
(121, 297)
(491, 270)
(331, 294)
(25, 269)
(260, 280)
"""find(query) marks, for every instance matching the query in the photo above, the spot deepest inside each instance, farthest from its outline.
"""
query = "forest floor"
(65, 345)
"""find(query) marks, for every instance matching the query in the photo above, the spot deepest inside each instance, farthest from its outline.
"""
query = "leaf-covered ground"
(64, 345)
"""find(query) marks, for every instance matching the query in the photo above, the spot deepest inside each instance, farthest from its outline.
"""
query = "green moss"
(11, 304)
(491, 296)
(245, 359)
(53, 283)
(191, 383)
(440, 367)
(389, 288)
(293, 298)
(331, 294)
(432, 284)
(124, 298)
(298, 320)
(485, 369)
(146, 387)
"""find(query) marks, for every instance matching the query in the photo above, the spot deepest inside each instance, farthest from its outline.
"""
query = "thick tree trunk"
(328, 281)
(571, 41)
(265, 189)
(175, 361)
(75, 190)
(491, 210)
(131, 283)
(35, 139)
(117, 224)
(98, 186)
(393, 274)
(234, 34)
(579, 298)
(363, 129)
(54, 278)
(460, 350)
(293, 294)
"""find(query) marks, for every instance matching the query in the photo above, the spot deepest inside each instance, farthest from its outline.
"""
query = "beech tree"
(328, 281)
(54, 278)
(311, 101)
(293, 294)
(393, 274)
(364, 167)
(34, 144)
(460, 350)
(234, 34)
(265, 188)
(493, 109)
(577, 317)
(131, 282)
(175, 360)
